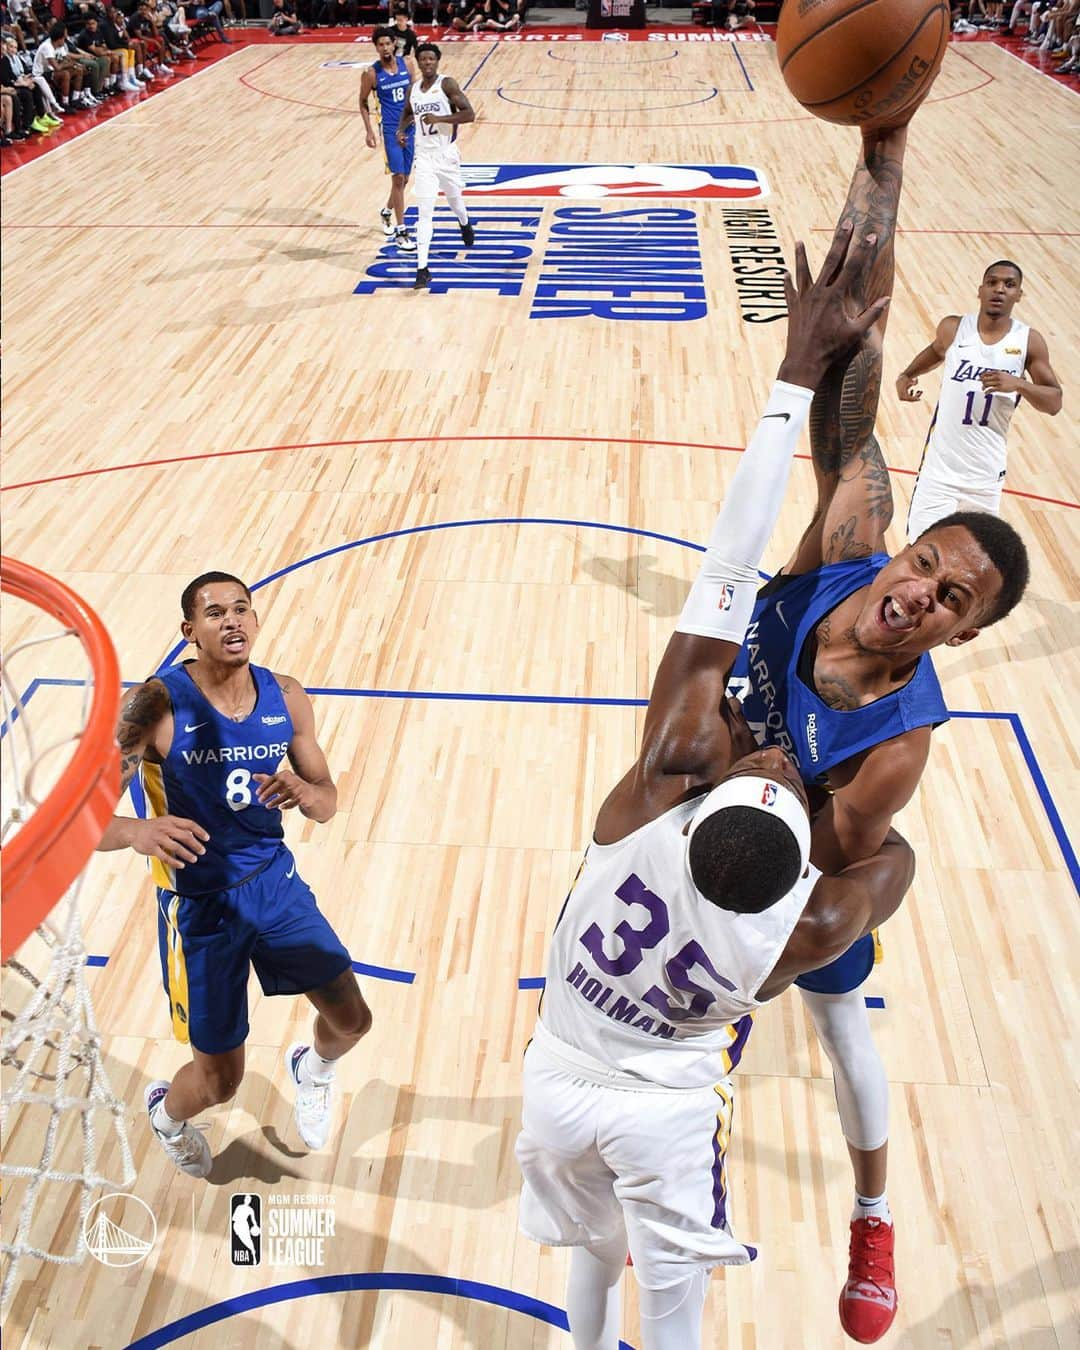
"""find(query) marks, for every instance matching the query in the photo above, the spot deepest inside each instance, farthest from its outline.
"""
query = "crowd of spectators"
(1052, 25)
(55, 65)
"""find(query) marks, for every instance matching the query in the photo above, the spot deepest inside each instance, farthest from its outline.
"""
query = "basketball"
(863, 63)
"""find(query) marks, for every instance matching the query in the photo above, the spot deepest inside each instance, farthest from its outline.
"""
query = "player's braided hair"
(743, 859)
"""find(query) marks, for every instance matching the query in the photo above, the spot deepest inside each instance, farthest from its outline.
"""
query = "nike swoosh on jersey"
(780, 612)
(786, 416)
(194, 727)
(291, 872)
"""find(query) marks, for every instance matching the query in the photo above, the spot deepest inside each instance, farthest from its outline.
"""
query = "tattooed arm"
(145, 732)
(854, 505)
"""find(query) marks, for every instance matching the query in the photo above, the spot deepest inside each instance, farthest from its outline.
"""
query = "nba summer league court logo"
(294, 1234)
(120, 1230)
(636, 258)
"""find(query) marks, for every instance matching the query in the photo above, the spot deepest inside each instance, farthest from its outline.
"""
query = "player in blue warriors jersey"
(388, 79)
(210, 738)
(836, 671)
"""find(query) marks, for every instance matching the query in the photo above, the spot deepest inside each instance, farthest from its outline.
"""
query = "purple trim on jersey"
(742, 1035)
(719, 1177)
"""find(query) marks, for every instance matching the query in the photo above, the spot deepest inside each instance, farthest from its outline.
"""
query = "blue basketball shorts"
(844, 974)
(209, 942)
(398, 160)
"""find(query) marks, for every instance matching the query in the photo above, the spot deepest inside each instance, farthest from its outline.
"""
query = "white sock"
(163, 1122)
(456, 202)
(593, 1302)
(671, 1317)
(871, 1207)
(315, 1069)
(425, 228)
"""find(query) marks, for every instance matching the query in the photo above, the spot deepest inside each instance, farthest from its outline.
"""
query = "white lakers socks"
(456, 202)
(593, 1304)
(871, 1207)
(315, 1069)
(163, 1122)
(425, 228)
(671, 1317)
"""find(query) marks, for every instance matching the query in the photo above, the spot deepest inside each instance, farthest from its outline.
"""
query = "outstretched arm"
(686, 735)
(855, 505)
(928, 359)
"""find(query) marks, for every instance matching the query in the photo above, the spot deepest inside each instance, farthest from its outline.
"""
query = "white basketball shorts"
(933, 501)
(600, 1159)
(435, 173)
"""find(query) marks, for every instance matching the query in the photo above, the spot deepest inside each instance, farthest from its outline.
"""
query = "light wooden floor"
(179, 285)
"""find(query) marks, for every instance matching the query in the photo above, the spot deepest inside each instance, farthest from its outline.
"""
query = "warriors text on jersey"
(773, 675)
(648, 978)
(391, 88)
(966, 443)
(206, 777)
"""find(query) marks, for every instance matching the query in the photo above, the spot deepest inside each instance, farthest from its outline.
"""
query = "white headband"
(765, 794)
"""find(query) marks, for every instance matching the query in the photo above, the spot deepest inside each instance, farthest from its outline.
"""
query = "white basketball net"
(55, 1084)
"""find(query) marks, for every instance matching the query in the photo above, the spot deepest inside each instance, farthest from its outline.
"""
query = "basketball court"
(470, 517)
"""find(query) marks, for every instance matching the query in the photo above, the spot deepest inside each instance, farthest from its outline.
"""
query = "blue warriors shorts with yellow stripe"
(209, 942)
(398, 160)
(847, 972)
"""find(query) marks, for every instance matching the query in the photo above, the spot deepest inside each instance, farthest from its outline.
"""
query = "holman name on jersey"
(235, 754)
(622, 1009)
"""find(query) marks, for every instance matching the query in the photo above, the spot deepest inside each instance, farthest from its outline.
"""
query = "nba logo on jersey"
(727, 595)
(692, 182)
(768, 794)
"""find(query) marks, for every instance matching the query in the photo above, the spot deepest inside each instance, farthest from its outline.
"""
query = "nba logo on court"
(245, 1229)
(691, 182)
(768, 795)
(727, 595)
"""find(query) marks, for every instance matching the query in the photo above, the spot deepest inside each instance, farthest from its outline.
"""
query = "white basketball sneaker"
(314, 1103)
(386, 216)
(188, 1150)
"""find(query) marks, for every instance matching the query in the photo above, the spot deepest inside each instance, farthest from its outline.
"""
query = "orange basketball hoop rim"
(53, 846)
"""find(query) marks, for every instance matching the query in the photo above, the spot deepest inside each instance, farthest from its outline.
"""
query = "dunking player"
(438, 106)
(835, 671)
(694, 905)
(389, 78)
(209, 736)
(986, 356)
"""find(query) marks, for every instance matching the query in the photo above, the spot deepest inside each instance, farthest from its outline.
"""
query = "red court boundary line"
(442, 440)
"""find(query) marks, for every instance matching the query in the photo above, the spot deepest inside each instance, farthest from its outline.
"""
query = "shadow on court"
(660, 594)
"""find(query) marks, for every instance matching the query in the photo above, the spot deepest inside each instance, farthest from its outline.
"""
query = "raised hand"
(825, 321)
(907, 388)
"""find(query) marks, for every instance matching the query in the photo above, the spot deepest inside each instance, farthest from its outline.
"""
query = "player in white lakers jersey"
(438, 106)
(695, 904)
(986, 356)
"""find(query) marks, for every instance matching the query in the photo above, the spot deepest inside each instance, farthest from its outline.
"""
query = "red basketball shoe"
(868, 1301)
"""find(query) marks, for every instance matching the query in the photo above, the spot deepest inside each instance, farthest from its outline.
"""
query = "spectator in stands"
(134, 76)
(142, 27)
(22, 14)
(738, 14)
(210, 14)
(95, 68)
(1021, 8)
(171, 23)
(23, 61)
(283, 21)
(500, 16)
(7, 120)
(338, 13)
(466, 16)
(234, 7)
(404, 35)
(54, 61)
(91, 42)
(28, 111)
